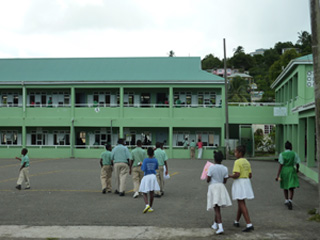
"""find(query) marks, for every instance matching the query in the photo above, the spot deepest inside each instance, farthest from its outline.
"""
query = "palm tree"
(238, 90)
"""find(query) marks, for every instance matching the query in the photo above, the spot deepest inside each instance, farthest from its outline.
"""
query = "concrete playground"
(65, 202)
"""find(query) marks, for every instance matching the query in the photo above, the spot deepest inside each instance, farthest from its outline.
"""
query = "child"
(241, 187)
(288, 174)
(149, 182)
(24, 169)
(106, 170)
(217, 193)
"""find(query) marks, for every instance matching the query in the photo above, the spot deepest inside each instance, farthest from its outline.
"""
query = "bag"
(205, 170)
(165, 177)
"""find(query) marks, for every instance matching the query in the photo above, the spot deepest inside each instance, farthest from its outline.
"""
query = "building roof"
(307, 59)
(242, 75)
(111, 70)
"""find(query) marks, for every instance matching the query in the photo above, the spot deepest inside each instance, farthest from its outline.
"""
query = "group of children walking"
(147, 169)
(151, 161)
(217, 176)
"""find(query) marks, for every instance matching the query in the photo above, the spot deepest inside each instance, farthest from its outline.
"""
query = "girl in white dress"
(217, 195)
(149, 182)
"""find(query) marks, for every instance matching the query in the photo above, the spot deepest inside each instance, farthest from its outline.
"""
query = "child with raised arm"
(241, 187)
(217, 195)
(24, 170)
(287, 174)
(149, 182)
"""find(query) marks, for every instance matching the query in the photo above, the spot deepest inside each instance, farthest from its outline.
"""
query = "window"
(39, 138)
(9, 137)
(61, 138)
(102, 137)
(179, 138)
(268, 129)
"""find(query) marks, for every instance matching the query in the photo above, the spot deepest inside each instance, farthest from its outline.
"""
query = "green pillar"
(121, 132)
(121, 95)
(171, 101)
(301, 139)
(289, 133)
(279, 138)
(170, 142)
(24, 136)
(72, 132)
(311, 142)
(285, 133)
(294, 137)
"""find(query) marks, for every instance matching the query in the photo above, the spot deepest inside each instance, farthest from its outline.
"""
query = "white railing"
(255, 104)
(40, 105)
(48, 146)
(10, 146)
(10, 105)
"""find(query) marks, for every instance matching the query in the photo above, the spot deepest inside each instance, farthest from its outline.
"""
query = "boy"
(24, 169)
(106, 170)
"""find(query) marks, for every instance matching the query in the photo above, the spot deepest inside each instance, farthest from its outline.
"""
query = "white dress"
(149, 183)
(242, 189)
(217, 192)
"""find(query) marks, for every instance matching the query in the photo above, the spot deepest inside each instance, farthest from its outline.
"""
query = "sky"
(146, 28)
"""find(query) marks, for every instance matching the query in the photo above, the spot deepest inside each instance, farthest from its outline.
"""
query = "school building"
(71, 107)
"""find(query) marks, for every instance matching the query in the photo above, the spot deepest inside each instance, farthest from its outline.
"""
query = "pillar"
(301, 139)
(311, 142)
(170, 142)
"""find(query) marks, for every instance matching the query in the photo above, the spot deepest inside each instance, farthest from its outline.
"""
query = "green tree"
(238, 90)
(304, 42)
(211, 62)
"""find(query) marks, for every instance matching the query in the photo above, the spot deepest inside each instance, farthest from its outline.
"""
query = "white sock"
(249, 225)
(235, 221)
(147, 205)
(220, 226)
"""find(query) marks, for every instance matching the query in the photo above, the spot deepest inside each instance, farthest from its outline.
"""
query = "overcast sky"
(143, 28)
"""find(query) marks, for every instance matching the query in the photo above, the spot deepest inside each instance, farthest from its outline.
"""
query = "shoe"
(116, 192)
(135, 195)
(157, 195)
(109, 191)
(18, 187)
(104, 191)
(248, 229)
(121, 194)
(236, 224)
(214, 226)
(150, 209)
(219, 231)
(27, 188)
(146, 209)
(289, 205)
(162, 193)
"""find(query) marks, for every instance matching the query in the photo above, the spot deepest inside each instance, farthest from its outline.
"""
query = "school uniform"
(217, 192)
(106, 171)
(192, 149)
(289, 177)
(149, 181)
(200, 144)
(138, 155)
(120, 155)
(24, 172)
(161, 156)
(241, 187)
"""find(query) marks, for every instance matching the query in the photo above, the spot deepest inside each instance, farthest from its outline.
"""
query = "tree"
(282, 45)
(171, 54)
(304, 42)
(211, 62)
(237, 91)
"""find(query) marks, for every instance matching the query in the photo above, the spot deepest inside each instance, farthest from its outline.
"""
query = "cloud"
(76, 15)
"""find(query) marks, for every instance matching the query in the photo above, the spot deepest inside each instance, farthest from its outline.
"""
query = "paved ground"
(65, 202)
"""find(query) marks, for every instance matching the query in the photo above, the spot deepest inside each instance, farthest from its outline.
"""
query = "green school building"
(71, 107)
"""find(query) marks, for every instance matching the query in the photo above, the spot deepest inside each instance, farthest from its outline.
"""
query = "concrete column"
(170, 142)
(289, 133)
(311, 142)
(121, 132)
(171, 102)
(121, 95)
(24, 136)
(295, 137)
(285, 133)
(301, 139)
(279, 138)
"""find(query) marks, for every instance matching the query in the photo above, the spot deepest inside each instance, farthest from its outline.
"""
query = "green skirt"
(289, 178)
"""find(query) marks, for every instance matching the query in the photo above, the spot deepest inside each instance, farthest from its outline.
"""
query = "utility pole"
(226, 99)
(315, 28)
